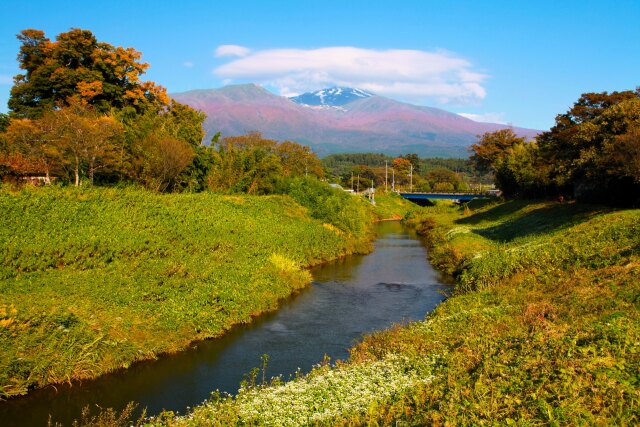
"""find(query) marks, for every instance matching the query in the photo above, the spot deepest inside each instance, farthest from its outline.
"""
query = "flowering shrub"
(325, 394)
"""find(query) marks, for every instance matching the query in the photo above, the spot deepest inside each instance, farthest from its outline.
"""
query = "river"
(347, 298)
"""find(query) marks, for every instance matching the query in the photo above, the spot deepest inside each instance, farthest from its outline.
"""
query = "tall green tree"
(622, 154)
(165, 159)
(251, 169)
(149, 138)
(501, 153)
(574, 133)
(493, 146)
(4, 122)
(520, 172)
(583, 148)
(80, 103)
(415, 161)
(76, 65)
(256, 165)
(298, 159)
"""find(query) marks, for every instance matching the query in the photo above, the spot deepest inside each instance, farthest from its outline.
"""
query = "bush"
(443, 187)
(344, 211)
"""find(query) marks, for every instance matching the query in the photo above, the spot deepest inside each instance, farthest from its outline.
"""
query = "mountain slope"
(338, 120)
(238, 109)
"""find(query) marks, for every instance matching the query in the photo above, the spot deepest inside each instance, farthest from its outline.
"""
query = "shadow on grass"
(515, 221)
(496, 213)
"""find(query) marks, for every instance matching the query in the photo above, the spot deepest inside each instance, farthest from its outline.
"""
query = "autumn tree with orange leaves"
(31, 147)
(75, 138)
(80, 109)
(77, 66)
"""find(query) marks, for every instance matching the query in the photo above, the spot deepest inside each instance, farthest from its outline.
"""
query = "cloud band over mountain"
(411, 75)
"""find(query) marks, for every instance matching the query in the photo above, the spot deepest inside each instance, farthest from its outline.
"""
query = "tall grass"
(92, 280)
(391, 206)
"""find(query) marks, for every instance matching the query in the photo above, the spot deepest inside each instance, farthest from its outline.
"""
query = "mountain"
(332, 97)
(338, 120)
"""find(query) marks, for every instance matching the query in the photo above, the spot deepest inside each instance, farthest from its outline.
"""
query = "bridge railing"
(453, 193)
(450, 196)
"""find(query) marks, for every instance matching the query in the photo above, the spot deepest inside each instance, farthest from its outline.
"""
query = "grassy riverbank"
(391, 206)
(544, 329)
(92, 280)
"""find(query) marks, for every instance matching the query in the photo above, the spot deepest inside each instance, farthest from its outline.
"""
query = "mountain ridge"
(368, 123)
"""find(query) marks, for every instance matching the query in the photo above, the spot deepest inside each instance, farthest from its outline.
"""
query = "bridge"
(462, 197)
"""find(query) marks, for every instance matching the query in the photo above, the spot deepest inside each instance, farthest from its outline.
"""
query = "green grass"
(96, 279)
(543, 329)
(391, 206)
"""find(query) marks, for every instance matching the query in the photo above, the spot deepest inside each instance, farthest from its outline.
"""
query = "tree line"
(404, 172)
(80, 114)
(592, 153)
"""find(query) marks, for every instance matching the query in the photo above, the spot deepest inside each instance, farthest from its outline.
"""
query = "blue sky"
(519, 62)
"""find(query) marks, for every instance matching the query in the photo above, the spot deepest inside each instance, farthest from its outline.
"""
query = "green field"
(543, 329)
(92, 280)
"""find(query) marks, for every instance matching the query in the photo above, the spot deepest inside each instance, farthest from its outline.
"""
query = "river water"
(347, 298)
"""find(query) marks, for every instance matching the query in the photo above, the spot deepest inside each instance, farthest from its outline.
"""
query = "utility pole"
(358, 184)
(393, 179)
(411, 179)
(372, 194)
(385, 175)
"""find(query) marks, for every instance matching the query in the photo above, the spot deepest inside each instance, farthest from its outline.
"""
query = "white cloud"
(187, 64)
(499, 118)
(232, 50)
(411, 75)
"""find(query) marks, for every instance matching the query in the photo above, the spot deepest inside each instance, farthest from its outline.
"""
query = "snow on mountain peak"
(330, 97)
